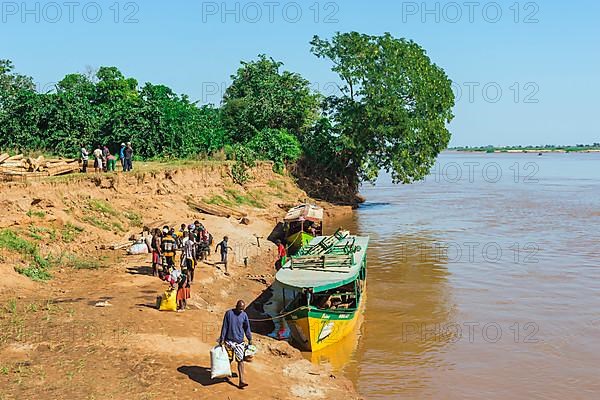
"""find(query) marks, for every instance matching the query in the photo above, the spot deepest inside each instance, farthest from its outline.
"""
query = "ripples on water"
(432, 289)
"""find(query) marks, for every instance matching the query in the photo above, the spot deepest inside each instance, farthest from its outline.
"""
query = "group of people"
(194, 241)
(194, 244)
(104, 161)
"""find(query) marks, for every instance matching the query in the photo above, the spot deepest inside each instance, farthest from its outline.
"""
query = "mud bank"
(55, 343)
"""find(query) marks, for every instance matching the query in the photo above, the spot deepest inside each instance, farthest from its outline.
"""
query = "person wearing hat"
(122, 156)
(128, 157)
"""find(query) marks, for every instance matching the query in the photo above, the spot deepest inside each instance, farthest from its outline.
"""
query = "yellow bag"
(169, 300)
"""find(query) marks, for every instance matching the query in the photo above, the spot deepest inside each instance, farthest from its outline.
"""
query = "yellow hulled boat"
(325, 284)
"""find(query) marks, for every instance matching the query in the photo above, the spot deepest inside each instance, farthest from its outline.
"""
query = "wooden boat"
(301, 224)
(324, 289)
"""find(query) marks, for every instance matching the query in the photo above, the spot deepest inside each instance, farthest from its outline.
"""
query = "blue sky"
(524, 72)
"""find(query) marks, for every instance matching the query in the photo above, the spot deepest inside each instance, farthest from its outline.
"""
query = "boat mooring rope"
(278, 316)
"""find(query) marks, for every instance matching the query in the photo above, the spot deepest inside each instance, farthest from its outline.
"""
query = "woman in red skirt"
(183, 291)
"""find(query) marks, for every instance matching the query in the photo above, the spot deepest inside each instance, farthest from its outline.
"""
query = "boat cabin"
(301, 224)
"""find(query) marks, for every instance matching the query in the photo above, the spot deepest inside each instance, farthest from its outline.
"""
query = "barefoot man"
(235, 326)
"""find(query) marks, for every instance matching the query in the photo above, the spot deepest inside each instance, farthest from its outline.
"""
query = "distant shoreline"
(566, 149)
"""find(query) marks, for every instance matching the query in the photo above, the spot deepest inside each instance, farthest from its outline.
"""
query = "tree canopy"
(394, 106)
(392, 113)
(261, 97)
(107, 108)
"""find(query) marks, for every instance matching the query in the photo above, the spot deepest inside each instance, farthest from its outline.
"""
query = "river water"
(483, 281)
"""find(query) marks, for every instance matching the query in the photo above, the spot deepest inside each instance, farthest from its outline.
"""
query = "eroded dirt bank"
(56, 344)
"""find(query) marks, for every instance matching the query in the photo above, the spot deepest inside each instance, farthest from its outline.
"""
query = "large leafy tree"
(393, 111)
(263, 97)
(106, 109)
(11, 82)
(175, 127)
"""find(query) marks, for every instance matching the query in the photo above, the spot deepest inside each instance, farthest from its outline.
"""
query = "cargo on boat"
(324, 289)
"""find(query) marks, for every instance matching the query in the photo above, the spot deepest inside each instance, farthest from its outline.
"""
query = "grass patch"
(39, 232)
(35, 273)
(98, 223)
(76, 262)
(102, 224)
(11, 306)
(276, 184)
(102, 206)
(38, 265)
(280, 187)
(116, 225)
(134, 218)
(36, 213)
(69, 232)
(241, 199)
(235, 198)
(219, 200)
(102, 215)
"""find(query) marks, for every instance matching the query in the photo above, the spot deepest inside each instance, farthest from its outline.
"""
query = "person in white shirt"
(84, 159)
(98, 167)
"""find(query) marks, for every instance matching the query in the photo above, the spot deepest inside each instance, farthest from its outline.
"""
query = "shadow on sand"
(143, 270)
(201, 375)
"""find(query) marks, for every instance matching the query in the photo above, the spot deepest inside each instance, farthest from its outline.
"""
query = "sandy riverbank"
(56, 344)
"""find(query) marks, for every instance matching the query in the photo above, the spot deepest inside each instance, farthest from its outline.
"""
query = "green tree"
(22, 119)
(172, 126)
(261, 97)
(277, 145)
(77, 84)
(11, 82)
(394, 107)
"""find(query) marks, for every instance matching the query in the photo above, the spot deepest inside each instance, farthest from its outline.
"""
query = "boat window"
(335, 299)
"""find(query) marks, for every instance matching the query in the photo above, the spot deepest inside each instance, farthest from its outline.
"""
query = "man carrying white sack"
(235, 325)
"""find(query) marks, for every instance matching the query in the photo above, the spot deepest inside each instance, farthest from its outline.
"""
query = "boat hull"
(313, 330)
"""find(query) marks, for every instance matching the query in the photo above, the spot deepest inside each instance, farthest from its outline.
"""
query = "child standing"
(182, 291)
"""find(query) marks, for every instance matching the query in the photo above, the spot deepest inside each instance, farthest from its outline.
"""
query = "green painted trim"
(324, 288)
(329, 315)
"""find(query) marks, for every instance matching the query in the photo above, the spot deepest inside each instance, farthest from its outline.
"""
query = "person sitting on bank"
(235, 325)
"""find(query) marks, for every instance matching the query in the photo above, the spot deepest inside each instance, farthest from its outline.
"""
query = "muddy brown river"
(483, 281)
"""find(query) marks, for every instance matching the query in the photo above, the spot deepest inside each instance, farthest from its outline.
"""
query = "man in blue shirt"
(235, 325)
(122, 156)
